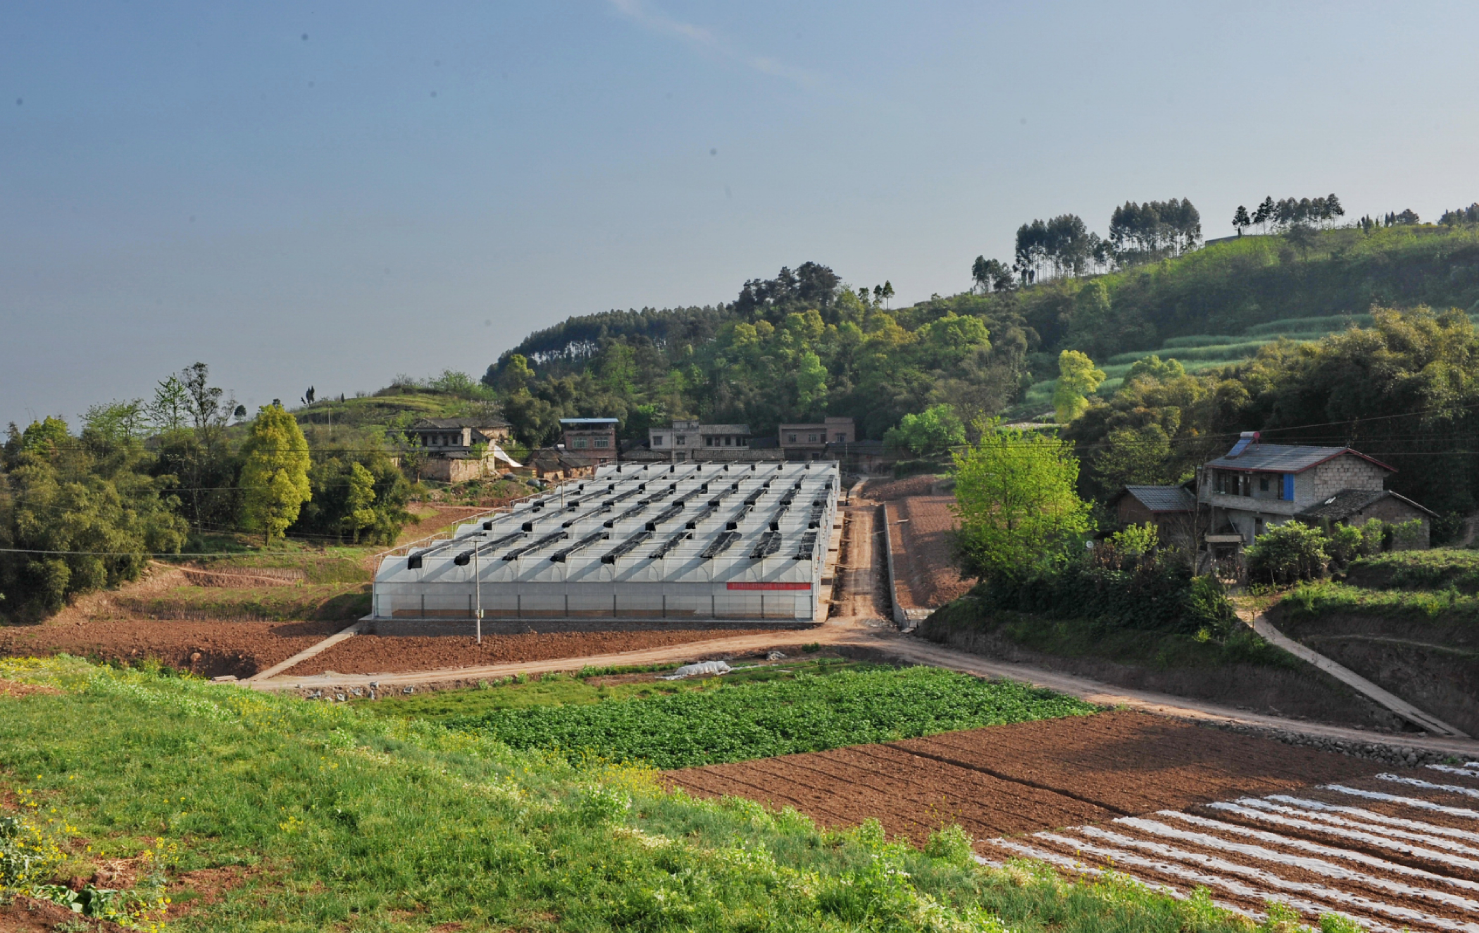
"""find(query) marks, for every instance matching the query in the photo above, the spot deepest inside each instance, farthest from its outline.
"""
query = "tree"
(1302, 237)
(933, 431)
(203, 400)
(1155, 368)
(359, 500)
(274, 477)
(1132, 457)
(1015, 501)
(1077, 379)
(170, 406)
(1264, 214)
(811, 383)
(992, 275)
(1241, 219)
(1288, 552)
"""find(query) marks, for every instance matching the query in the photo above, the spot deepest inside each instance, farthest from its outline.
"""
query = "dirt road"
(861, 625)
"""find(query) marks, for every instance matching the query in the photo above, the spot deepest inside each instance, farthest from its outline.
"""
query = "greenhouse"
(649, 541)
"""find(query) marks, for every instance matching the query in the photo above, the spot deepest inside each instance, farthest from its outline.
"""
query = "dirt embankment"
(1303, 693)
(1434, 665)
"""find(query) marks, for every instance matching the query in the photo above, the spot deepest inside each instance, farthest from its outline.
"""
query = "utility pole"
(478, 586)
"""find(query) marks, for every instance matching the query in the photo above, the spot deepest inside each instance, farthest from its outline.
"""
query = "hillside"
(168, 799)
(802, 343)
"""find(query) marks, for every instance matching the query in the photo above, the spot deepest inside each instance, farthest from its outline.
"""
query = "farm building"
(650, 541)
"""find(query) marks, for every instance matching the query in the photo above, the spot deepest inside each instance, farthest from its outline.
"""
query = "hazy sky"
(337, 195)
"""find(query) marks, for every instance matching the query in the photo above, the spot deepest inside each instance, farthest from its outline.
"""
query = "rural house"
(458, 449)
(594, 438)
(817, 435)
(1171, 509)
(1254, 486)
(690, 440)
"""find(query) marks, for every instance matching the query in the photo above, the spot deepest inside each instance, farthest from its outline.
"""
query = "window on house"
(580, 442)
(682, 440)
(599, 442)
(790, 438)
(657, 440)
(811, 438)
(728, 441)
(842, 438)
(1263, 484)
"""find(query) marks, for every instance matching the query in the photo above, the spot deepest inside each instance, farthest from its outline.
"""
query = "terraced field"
(1176, 806)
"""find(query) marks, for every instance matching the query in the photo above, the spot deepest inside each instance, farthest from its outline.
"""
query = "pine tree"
(1241, 219)
(274, 478)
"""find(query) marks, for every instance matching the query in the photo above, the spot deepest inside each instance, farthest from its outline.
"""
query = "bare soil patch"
(432, 518)
(12, 688)
(29, 915)
(891, 490)
(387, 654)
(209, 649)
(927, 577)
(1025, 777)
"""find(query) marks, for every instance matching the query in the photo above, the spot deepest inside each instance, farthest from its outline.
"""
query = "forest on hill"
(804, 343)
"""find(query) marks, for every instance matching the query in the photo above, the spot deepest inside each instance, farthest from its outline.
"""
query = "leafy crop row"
(760, 720)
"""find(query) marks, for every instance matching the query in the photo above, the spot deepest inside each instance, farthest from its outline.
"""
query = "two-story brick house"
(457, 450)
(1255, 486)
(593, 438)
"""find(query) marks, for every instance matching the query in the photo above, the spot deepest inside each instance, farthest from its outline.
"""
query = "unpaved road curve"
(862, 626)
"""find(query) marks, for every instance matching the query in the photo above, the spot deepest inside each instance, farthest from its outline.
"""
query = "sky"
(339, 193)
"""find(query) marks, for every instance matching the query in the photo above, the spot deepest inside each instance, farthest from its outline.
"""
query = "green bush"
(1155, 591)
(1286, 553)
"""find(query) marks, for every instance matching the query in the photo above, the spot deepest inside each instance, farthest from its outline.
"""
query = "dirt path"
(1350, 678)
(860, 625)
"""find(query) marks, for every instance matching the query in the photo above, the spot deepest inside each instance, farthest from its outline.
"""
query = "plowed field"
(1176, 806)
(1025, 777)
(376, 654)
(206, 648)
(927, 577)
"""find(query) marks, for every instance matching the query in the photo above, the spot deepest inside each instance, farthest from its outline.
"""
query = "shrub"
(1155, 591)
(1286, 553)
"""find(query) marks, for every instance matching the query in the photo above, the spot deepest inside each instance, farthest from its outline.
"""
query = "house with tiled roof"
(1171, 509)
(1255, 486)
(456, 450)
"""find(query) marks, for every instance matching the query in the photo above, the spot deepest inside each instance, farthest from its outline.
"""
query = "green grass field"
(760, 719)
(317, 817)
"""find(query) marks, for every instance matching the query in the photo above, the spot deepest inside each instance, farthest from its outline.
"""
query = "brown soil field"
(387, 654)
(927, 577)
(1025, 777)
(209, 649)
(891, 490)
(432, 518)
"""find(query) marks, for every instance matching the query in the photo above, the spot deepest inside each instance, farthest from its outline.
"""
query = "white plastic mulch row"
(1329, 877)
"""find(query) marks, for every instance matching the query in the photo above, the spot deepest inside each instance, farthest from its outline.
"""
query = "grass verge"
(325, 818)
(1325, 598)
